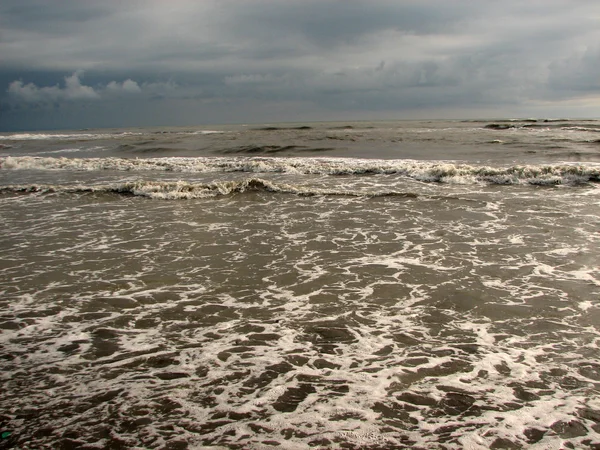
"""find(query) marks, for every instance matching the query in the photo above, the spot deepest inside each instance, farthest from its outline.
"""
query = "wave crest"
(177, 190)
(425, 171)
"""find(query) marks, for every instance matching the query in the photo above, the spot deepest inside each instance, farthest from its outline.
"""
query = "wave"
(425, 171)
(580, 128)
(66, 137)
(543, 125)
(272, 149)
(301, 128)
(93, 136)
(176, 190)
(531, 120)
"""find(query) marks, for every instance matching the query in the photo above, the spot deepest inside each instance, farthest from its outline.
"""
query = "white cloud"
(74, 90)
(31, 93)
(128, 87)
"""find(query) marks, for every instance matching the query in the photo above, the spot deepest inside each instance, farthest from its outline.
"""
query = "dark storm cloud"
(276, 59)
(333, 23)
(579, 72)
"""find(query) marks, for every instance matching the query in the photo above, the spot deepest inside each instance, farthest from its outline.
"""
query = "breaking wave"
(424, 171)
(79, 136)
(587, 126)
(64, 136)
(178, 190)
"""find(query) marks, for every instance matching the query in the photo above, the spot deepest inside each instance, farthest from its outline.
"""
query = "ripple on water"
(397, 325)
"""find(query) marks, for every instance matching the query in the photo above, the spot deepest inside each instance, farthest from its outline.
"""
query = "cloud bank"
(73, 90)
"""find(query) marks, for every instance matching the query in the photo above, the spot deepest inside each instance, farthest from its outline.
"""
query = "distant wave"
(426, 171)
(593, 130)
(93, 136)
(544, 125)
(65, 137)
(531, 120)
(304, 127)
(272, 149)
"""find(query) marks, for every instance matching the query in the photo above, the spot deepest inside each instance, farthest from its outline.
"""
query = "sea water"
(357, 285)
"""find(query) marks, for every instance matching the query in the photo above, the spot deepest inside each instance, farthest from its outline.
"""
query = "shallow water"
(298, 308)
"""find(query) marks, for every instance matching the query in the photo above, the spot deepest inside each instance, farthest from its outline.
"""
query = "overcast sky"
(109, 63)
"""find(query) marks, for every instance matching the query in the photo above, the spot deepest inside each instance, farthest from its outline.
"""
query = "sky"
(70, 64)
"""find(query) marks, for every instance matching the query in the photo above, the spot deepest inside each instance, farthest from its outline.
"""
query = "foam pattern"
(460, 316)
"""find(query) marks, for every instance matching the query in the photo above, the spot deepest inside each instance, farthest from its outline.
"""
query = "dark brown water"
(244, 298)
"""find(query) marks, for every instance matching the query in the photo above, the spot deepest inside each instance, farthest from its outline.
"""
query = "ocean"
(356, 285)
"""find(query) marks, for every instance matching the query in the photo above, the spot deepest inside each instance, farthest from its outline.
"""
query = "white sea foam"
(425, 321)
(62, 136)
(72, 150)
(439, 172)
(90, 136)
(588, 129)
